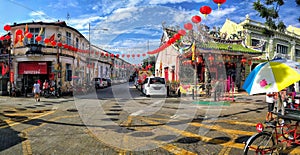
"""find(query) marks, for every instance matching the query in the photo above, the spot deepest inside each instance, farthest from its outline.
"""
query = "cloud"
(155, 2)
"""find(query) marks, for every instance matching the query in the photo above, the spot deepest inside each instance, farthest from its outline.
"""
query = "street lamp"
(89, 57)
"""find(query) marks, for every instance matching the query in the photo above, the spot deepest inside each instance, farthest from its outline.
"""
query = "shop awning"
(32, 68)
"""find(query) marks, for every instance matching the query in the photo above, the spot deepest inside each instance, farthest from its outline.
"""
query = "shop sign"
(32, 68)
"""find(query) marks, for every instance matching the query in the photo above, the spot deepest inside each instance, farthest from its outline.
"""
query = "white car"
(154, 86)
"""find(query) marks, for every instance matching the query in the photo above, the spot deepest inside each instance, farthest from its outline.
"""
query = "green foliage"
(269, 10)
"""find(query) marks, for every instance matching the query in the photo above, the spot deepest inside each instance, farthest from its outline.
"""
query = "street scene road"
(109, 122)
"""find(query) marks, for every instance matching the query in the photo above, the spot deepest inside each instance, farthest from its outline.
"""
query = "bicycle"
(283, 133)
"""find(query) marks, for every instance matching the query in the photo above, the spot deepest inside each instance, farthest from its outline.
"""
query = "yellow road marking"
(176, 150)
(202, 138)
(13, 123)
(26, 147)
(219, 128)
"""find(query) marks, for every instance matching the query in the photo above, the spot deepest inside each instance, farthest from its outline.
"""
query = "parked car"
(154, 86)
(108, 82)
(100, 83)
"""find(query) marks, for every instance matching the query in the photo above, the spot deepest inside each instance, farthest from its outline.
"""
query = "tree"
(270, 11)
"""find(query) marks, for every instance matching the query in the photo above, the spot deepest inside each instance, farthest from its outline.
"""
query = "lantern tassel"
(219, 4)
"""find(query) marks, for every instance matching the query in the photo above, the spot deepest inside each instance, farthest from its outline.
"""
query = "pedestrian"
(271, 98)
(13, 90)
(36, 91)
(9, 88)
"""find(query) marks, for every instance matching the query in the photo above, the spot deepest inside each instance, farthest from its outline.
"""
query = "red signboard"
(33, 67)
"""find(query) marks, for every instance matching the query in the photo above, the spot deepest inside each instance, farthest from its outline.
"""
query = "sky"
(132, 26)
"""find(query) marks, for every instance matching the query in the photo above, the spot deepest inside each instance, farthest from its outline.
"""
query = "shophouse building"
(56, 52)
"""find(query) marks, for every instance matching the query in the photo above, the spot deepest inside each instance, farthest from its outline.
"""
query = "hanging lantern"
(182, 32)
(66, 46)
(19, 32)
(7, 37)
(205, 10)
(219, 2)
(112, 55)
(196, 19)
(133, 55)
(176, 36)
(106, 54)
(29, 35)
(188, 26)
(244, 60)
(7, 27)
(117, 55)
(249, 62)
(46, 40)
(59, 44)
(143, 54)
(123, 55)
(38, 38)
(138, 55)
(53, 43)
(211, 58)
(128, 55)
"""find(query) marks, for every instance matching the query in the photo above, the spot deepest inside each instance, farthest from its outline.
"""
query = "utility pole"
(89, 73)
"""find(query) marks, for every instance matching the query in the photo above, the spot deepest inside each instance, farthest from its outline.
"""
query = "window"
(35, 32)
(282, 49)
(77, 43)
(157, 80)
(68, 72)
(68, 35)
(297, 53)
(254, 42)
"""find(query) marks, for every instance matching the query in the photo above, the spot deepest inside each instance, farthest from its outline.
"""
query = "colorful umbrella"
(272, 76)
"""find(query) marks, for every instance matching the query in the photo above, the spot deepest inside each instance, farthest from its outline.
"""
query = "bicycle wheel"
(260, 144)
(287, 130)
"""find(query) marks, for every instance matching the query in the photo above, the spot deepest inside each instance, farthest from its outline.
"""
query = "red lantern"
(53, 43)
(7, 37)
(205, 10)
(46, 40)
(128, 55)
(182, 32)
(2, 38)
(117, 55)
(19, 32)
(188, 26)
(66, 46)
(106, 54)
(59, 44)
(7, 27)
(196, 19)
(143, 54)
(112, 55)
(138, 55)
(29, 35)
(219, 2)
(123, 55)
(176, 36)
(243, 60)
(38, 38)
(133, 55)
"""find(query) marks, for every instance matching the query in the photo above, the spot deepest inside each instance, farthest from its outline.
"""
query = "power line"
(26, 7)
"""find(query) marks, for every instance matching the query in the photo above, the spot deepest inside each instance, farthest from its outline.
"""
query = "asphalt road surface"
(121, 120)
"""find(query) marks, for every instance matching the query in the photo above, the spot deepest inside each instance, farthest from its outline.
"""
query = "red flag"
(52, 37)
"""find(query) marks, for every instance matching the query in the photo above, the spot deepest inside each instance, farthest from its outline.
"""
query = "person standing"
(36, 91)
(271, 98)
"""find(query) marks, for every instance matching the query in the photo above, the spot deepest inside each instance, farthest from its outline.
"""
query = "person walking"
(36, 91)
(271, 98)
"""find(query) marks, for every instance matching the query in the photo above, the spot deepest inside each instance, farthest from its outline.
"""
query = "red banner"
(33, 67)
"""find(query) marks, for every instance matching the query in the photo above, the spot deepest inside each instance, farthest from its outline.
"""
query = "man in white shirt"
(36, 91)
(271, 98)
